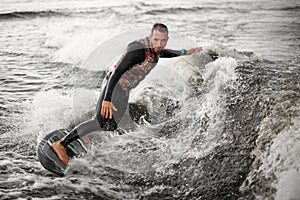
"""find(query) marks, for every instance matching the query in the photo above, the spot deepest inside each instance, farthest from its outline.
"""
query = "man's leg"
(83, 129)
(119, 98)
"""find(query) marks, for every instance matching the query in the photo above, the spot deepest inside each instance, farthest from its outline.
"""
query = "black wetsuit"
(111, 91)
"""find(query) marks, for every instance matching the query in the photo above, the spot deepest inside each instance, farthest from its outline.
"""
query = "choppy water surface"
(217, 129)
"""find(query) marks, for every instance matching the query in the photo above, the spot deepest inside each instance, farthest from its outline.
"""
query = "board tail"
(49, 159)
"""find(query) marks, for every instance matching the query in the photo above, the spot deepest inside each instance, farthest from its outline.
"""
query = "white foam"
(284, 162)
(218, 75)
(84, 100)
(171, 80)
(288, 184)
(279, 158)
(96, 46)
(50, 110)
(76, 39)
(221, 70)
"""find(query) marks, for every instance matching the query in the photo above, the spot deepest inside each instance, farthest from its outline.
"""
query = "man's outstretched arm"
(169, 53)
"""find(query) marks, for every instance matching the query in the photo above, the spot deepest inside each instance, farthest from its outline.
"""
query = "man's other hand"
(107, 109)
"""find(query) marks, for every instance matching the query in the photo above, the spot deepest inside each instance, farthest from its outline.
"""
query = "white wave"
(75, 40)
(96, 46)
(283, 160)
(218, 75)
(277, 153)
(51, 110)
(159, 152)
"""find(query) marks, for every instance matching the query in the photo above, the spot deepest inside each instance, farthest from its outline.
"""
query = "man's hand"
(193, 50)
(107, 109)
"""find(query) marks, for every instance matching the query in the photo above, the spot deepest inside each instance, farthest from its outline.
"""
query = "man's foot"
(61, 152)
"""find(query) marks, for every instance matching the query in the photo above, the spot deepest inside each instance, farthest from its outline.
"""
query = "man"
(138, 60)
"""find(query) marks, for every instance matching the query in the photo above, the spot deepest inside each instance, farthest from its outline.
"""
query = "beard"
(157, 49)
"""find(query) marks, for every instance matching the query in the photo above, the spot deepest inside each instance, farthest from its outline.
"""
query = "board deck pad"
(49, 159)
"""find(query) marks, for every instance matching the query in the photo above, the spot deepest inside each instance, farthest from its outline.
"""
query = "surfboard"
(49, 159)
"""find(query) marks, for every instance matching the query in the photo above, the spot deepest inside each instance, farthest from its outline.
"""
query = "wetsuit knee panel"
(107, 124)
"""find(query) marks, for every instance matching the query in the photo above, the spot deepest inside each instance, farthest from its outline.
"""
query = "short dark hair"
(160, 27)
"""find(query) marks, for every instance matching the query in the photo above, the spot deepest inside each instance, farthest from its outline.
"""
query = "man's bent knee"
(107, 124)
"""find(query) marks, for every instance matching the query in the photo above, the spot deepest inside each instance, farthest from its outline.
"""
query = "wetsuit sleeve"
(169, 53)
(135, 54)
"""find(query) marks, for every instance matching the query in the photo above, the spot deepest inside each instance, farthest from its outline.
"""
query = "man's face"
(158, 40)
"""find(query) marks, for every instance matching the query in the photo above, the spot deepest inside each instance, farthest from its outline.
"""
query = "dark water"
(223, 129)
